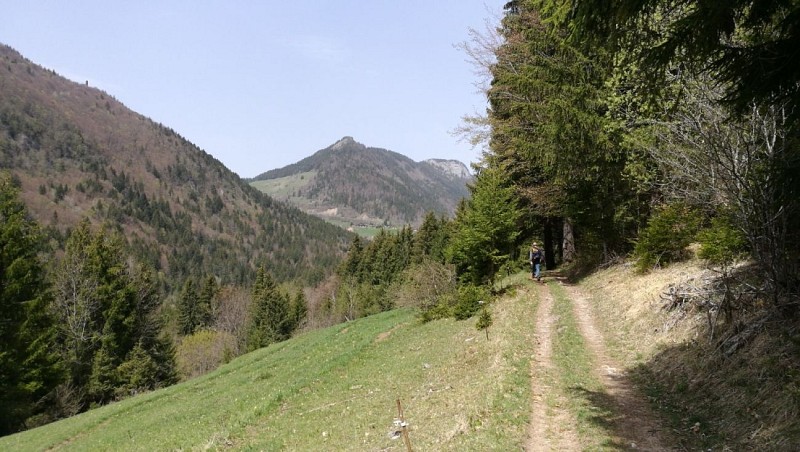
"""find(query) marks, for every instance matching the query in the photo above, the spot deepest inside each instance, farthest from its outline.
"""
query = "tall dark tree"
(548, 119)
(751, 45)
(430, 241)
(270, 319)
(106, 311)
(196, 306)
(352, 263)
(29, 366)
(207, 301)
(298, 311)
(188, 316)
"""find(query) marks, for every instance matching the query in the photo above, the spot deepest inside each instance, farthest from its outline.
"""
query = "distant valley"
(353, 185)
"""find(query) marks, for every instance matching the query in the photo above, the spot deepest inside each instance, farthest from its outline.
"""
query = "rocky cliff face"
(452, 168)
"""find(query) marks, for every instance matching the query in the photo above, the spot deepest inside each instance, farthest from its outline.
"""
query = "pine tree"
(298, 311)
(269, 314)
(484, 321)
(486, 229)
(352, 263)
(29, 366)
(188, 316)
(207, 302)
(430, 240)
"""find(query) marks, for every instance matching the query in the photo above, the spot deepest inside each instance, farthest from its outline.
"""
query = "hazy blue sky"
(262, 84)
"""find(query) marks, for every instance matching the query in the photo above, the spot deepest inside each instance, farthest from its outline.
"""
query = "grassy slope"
(285, 188)
(334, 389)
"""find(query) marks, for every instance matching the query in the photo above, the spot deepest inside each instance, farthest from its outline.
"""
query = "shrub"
(670, 230)
(203, 352)
(468, 303)
(722, 242)
(423, 285)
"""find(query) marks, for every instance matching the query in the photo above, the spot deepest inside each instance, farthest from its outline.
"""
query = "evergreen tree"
(298, 311)
(749, 46)
(29, 367)
(430, 241)
(269, 316)
(352, 263)
(106, 308)
(207, 302)
(188, 315)
(486, 229)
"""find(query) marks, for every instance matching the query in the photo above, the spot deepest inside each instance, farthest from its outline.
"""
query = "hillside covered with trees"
(640, 127)
(129, 258)
(354, 184)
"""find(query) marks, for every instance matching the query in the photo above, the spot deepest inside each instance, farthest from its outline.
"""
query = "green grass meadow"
(284, 187)
(335, 389)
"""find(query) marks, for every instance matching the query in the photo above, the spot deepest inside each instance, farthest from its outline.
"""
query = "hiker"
(535, 255)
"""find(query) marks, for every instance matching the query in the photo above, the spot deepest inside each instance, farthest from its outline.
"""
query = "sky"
(263, 84)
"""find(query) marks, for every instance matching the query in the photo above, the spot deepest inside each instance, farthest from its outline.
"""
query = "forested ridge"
(78, 152)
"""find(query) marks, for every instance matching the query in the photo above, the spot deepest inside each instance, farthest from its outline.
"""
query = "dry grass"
(749, 399)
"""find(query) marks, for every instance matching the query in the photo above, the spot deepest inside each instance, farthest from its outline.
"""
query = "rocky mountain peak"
(452, 168)
(346, 142)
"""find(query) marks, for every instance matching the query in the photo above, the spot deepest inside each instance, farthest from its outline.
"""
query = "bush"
(722, 243)
(203, 352)
(468, 303)
(670, 230)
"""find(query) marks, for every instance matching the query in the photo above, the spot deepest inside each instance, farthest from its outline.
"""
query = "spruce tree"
(207, 302)
(298, 311)
(269, 313)
(486, 229)
(29, 366)
(187, 308)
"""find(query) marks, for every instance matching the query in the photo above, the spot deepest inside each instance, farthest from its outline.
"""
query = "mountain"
(352, 184)
(77, 152)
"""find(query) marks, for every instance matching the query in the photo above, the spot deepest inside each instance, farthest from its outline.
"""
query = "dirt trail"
(632, 425)
(547, 431)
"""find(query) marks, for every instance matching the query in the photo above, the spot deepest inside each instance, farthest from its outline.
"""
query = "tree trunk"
(569, 241)
(549, 246)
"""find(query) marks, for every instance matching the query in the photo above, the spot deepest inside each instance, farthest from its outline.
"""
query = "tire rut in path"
(636, 426)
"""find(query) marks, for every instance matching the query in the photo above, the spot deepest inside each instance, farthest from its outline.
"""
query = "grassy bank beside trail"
(335, 389)
(744, 400)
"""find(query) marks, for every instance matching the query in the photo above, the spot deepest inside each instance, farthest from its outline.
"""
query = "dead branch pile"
(713, 293)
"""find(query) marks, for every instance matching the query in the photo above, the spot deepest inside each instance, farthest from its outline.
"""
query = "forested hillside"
(356, 184)
(127, 254)
(78, 153)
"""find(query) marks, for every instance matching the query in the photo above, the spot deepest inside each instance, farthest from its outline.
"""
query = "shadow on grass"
(623, 425)
(713, 399)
